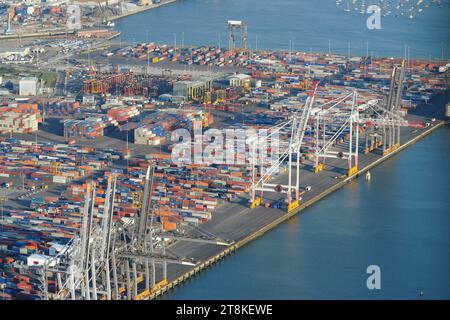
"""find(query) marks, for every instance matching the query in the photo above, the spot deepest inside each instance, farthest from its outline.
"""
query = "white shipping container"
(59, 179)
(192, 220)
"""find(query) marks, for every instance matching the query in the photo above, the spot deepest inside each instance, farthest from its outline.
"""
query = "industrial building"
(239, 80)
(4, 92)
(29, 86)
(192, 90)
(88, 100)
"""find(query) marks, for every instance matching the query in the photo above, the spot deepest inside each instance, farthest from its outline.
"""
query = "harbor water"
(398, 221)
(316, 25)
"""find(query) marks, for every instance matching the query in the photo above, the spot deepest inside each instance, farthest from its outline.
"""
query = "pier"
(140, 9)
(242, 224)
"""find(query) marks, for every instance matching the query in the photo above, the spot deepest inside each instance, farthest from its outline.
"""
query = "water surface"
(316, 25)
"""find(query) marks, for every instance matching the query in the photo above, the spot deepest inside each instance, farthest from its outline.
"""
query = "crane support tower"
(387, 134)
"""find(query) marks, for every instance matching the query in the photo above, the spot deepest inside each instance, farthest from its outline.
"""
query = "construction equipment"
(116, 259)
(335, 126)
(56, 168)
(232, 26)
(295, 128)
(220, 96)
(384, 130)
(334, 123)
(207, 97)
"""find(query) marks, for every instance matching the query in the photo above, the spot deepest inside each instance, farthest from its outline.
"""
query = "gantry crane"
(333, 122)
(386, 132)
(295, 128)
(232, 26)
(116, 259)
(336, 128)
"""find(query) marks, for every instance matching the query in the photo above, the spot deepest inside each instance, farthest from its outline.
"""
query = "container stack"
(90, 128)
(43, 163)
(152, 135)
(19, 118)
(156, 129)
(122, 114)
(18, 123)
(58, 107)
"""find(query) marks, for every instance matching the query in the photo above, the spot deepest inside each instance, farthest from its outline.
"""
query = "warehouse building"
(239, 80)
(192, 90)
(28, 86)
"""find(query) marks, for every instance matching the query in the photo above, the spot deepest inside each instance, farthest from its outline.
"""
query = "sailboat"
(348, 7)
(363, 8)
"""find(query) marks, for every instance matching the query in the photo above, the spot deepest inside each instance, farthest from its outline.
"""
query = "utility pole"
(3, 199)
(290, 45)
(409, 56)
(128, 131)
(406, 48)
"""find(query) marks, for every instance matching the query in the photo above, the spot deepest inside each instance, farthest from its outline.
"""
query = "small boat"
(368, 176)
(348, 7)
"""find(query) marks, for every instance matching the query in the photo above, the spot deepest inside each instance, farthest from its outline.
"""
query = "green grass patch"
(49, 78)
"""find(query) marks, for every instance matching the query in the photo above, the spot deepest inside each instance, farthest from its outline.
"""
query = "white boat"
(348, 7)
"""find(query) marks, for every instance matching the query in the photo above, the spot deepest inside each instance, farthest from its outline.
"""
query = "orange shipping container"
(169, 226)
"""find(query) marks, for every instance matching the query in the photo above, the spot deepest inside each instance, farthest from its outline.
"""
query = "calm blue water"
(399, 221)
(311, 24)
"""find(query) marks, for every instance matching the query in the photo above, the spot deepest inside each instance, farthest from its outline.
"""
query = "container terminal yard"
(98, 203)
